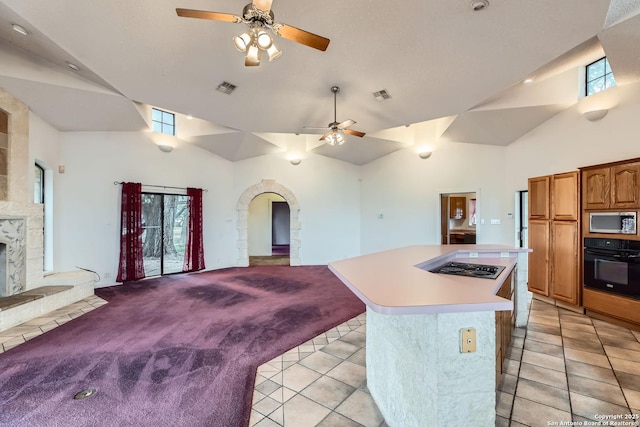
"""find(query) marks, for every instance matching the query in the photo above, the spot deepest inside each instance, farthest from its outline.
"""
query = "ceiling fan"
(258, 16)
(335, 135)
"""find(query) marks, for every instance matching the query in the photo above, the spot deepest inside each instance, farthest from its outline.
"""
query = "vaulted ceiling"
(453, 74)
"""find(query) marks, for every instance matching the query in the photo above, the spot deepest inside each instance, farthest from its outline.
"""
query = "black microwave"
(612, 265)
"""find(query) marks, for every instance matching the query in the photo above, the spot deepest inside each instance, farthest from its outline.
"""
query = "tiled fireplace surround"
(21, 230)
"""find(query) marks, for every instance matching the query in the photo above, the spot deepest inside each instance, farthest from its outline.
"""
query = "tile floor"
(568, 367)
(563, 367)
(19, 334)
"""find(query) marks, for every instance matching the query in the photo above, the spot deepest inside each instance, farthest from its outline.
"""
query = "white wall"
(259, 233)
(44, 148)
(88, 214)
(328, 192)
(340, 202)
(406, 190)
(569, 141)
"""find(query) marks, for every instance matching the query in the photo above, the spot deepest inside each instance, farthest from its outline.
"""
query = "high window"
(599, 76)
(163, 122)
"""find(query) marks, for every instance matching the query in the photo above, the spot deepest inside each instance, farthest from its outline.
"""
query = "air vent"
(382, 95)
(226, 87)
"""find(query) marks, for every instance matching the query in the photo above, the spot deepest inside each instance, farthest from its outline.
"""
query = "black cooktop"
(470, 270)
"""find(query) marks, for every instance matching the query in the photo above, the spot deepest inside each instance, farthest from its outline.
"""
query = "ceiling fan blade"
(314, 127)
(263, 4)
(325, 135)
(354, 132)
(203, 14)
(303, 37)
(346, 124)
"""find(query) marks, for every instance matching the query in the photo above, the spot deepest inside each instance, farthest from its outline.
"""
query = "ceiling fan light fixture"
(264, 40)
(253, 56)
(242, 42)
(335, 138)
(273, 52)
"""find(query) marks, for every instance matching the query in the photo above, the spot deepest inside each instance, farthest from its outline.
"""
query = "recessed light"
(527, 81)
(20, 29)
(189, 117)
(478, 5)
(72, 66)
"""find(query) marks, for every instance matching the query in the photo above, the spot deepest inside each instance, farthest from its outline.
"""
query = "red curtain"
(194, 252)
(131, 263)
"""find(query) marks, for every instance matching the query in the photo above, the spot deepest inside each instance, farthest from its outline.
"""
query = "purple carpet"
(179, 350)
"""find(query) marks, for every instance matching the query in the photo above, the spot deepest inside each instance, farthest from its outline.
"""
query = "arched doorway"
(267, 186)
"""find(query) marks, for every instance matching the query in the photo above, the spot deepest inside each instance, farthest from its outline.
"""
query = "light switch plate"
(468, 340)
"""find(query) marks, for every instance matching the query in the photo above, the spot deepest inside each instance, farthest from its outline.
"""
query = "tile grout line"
(613, 369)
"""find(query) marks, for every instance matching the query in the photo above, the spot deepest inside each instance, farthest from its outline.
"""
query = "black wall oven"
(612, 265)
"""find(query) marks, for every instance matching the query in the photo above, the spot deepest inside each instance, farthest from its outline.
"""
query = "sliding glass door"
(164, 236)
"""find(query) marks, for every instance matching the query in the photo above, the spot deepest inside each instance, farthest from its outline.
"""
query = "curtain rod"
(157, 186)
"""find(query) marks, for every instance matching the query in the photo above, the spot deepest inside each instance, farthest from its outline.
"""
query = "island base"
(418, 376)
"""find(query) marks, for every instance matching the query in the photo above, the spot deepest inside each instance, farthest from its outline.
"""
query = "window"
(163, 121)
(38, 187)
(599, 76)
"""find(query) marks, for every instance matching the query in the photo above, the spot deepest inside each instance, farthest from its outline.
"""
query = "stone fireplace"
(21, 247)
(24, 291)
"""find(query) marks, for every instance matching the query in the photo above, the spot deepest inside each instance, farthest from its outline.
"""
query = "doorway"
(523, 219)
(269, 230)
(458, 218)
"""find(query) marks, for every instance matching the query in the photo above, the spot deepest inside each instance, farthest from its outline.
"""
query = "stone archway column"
(267, 186)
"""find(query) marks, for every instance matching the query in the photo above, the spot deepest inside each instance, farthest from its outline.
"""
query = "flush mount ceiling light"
(594, 115)
(259, 17)
(424, 154)
(165, 148)
(295, 161)
(20, 29)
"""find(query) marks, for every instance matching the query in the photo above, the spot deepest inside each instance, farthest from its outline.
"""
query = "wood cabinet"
(554, 264)
(625, 186)
(457, 207)
(505, 323)
(565, 261)
(539, 256)
(611, 187)
(564, 196)
(596, 184)
(539, 197)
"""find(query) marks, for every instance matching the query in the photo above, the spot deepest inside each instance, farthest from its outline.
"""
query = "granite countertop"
(396, 281)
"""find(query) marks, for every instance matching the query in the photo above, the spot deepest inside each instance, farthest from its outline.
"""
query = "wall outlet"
(107, 275)
(495, 221)
(468, 340)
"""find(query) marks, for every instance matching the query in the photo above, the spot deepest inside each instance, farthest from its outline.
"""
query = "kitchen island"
(416, 371)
